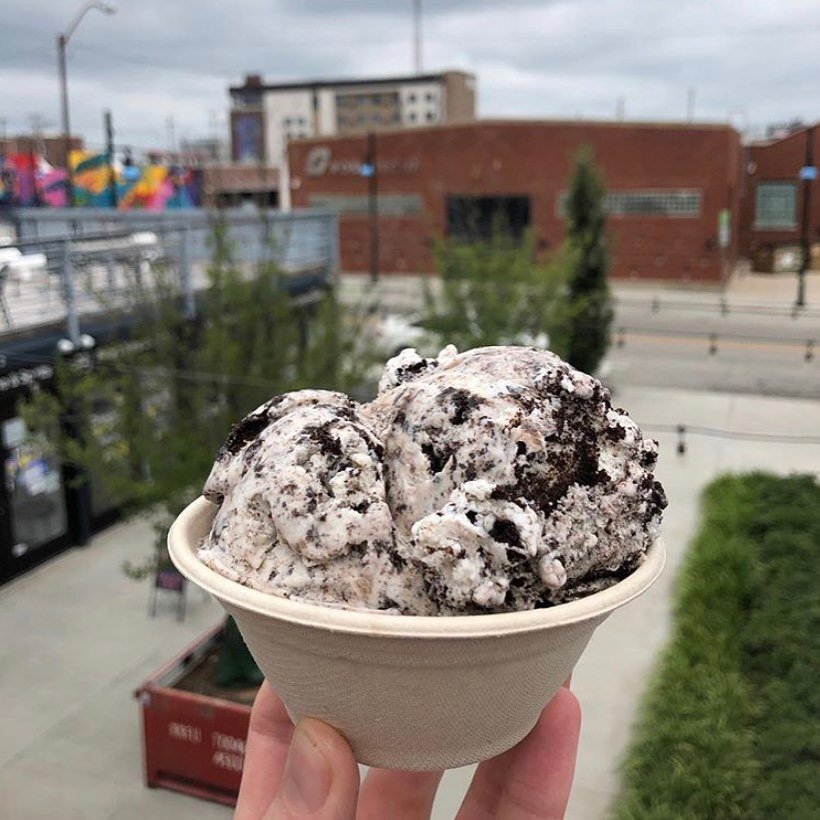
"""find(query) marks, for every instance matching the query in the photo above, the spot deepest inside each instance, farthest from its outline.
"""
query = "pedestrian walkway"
(77, 641)
(612, 673)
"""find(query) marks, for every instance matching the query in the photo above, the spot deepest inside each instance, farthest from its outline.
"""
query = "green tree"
(590, 313)
(496, 291)
(154, 409)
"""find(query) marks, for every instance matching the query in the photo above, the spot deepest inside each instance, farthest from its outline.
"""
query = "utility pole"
(620, 108)
(807, 174)
(35, 143)
(172, 139)
(62, 42)
(690, 105)
(417, 36)
(109, 157)
(370, 170)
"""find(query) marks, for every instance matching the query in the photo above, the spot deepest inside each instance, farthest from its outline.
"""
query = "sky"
(163, 66)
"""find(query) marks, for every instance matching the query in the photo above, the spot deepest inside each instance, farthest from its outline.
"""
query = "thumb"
(321, 778)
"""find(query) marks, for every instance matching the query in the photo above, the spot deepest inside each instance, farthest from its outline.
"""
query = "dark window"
(430, 96)
(412, 116)
(482, 217)
(411, 98)
(431, 115)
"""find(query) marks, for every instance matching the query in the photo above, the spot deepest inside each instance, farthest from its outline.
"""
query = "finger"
(266, 750)
(321, 778)
(397, 795)
(533, 779)
(540, 778)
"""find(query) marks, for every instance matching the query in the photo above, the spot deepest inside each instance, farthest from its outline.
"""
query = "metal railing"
(59, 266)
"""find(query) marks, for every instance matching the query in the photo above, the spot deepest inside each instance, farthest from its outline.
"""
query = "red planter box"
(192, 743)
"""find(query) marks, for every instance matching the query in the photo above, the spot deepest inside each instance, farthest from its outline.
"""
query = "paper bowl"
(409, 692)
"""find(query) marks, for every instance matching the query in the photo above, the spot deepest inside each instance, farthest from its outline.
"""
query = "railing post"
(333, 243)
(185, 278)
(67, 281)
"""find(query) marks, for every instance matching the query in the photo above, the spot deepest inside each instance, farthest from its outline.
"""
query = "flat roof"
(513, 122)
(351, 81)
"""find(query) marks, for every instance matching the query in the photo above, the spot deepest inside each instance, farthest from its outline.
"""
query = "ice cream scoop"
(495, 480)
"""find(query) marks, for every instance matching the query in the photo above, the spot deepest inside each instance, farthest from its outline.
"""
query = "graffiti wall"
(26, 180)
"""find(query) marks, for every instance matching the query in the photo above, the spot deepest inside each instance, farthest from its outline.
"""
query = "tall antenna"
(417, 36)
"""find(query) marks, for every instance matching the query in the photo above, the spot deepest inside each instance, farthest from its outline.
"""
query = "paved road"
(741, 352)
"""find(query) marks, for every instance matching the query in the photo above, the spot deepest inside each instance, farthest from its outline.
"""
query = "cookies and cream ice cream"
(493, 480)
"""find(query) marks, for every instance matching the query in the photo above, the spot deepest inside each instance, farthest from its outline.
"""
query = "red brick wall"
(535, 159)
(779, 161)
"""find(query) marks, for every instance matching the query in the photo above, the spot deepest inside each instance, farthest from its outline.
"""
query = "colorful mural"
(27, 180)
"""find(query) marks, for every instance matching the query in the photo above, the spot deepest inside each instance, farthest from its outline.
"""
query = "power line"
(734, 435)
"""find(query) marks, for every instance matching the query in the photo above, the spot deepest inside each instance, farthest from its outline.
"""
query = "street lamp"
(62, 42)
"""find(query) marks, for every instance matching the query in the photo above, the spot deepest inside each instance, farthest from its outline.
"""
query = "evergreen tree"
(589, 295)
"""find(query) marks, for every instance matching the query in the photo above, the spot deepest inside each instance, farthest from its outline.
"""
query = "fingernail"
(306, 780)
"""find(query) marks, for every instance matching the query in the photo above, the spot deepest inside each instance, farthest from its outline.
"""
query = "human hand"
(310, 772)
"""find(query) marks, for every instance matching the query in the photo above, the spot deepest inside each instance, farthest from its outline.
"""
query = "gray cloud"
(157, 59)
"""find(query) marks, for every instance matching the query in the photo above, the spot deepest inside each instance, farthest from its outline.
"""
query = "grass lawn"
(730, 725)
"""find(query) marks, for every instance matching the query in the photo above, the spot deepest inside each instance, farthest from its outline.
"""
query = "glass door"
(34, 503)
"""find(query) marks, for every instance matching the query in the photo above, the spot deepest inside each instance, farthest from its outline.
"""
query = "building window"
(776, 205)
(412, 116)
(670, 202)
(430, 96)
(411, 98)
(359, 205)
(431, 115)
(483, 217)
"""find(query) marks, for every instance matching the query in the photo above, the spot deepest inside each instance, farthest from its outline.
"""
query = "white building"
(265, 117)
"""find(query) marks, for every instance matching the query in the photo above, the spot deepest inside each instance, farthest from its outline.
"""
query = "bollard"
(681, 448)
(809, 354)
(713, 340)
(621, 340)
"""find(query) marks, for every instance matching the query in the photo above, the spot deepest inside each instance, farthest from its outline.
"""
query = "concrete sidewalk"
(77, 641)
(611, 675)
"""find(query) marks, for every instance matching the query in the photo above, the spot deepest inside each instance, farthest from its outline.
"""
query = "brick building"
(772, 207)
(51, 148)
(666, 185)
